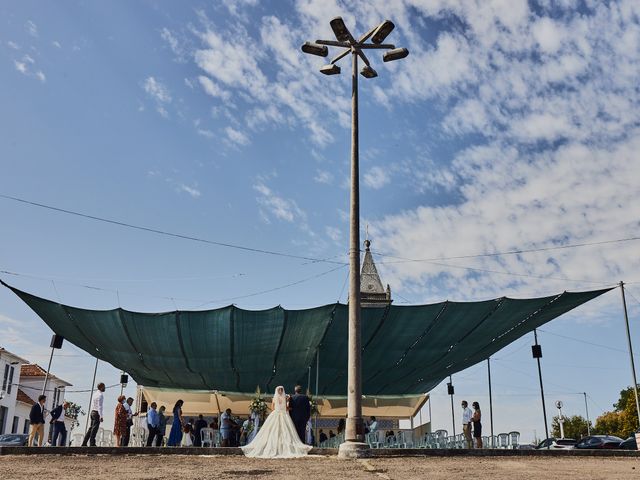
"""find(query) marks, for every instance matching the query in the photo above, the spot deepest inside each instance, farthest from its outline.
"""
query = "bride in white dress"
(278, 437)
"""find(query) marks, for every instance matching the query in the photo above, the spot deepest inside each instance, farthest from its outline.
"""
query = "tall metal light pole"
(634, 384)
(354, 445)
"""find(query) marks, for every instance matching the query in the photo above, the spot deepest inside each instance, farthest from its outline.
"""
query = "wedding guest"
(373, 424)
(120, 423)
(227, 428)
(153, 423)
(214, 423)
(187, 437)
(331, 434)
(244, 430)
(199, 425)
(162, 426)
(389, 433)
(36, 418)
(466, 423)
(59, 428)
(175, 436)
(323, 436)
(97, 401)
(130, 415)
(477, 425)
(341, 426)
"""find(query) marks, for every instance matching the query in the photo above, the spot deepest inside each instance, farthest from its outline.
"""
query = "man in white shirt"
(97, 401)
(466, 423)
(130, 414)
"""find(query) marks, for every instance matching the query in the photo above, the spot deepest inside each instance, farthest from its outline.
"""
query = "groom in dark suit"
(300, 411)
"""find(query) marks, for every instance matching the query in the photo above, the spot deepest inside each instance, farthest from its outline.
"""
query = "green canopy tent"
(406, 350)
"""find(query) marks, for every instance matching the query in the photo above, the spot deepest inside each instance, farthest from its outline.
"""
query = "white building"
(22, 384)
(10, 371)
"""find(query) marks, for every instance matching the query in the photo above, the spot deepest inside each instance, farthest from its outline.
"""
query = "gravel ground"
(314, 467)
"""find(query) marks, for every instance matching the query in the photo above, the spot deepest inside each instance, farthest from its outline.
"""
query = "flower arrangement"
(258, 405)
(314, 405)
(73, 411)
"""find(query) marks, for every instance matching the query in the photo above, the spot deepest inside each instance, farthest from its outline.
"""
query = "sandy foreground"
(314, 468)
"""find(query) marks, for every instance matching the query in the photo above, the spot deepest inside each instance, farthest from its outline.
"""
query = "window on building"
(4, 411)
(6, 377)
(9, 386)
(25, 429)
(16, 424)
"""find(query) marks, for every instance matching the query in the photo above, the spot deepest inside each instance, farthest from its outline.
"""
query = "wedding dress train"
(278, 437)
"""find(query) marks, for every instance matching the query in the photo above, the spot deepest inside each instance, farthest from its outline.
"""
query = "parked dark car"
(557, 443)
(599, 441)
(14, 440)
(629, 443)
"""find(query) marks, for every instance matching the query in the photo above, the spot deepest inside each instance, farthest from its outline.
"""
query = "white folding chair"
(207, 437)
(77, 440)
(373, 439)
(514, 440)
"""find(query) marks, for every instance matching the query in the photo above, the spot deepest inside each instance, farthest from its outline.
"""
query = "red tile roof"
(24, 398)
(34, 370)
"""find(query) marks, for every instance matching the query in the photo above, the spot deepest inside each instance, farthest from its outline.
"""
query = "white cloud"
(322, 176)
(212, 88)
(236, 136)
(549, 35)
(31, 28)
(157, 90)
(13, 45)
(159, 93)
(194, 192)
(40, 76)
(205, 133)
(335, 234)
(56, 44)
(376, 178)
(235, 7)
(20, 66)
(273, 205)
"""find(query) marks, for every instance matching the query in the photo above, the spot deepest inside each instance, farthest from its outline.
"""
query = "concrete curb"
(373, 453)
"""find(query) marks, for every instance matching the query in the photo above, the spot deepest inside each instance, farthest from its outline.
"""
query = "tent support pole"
(453, 415)
(544, 408)
(490, 401)
(633, 366)
(93, 384)
(316, 397)
(46, 377)
(309, 379)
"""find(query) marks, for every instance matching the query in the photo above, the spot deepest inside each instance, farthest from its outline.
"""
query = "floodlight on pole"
(330, 69)
(354, 445)
(382, 31)
(341, 31)
(368, 72)
(315, 49)
(395, 54)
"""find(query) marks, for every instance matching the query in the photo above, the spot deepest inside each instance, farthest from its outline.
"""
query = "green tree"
(623, 421)
(574, 427)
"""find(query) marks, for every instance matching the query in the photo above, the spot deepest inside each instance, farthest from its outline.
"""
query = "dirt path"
(177, 467)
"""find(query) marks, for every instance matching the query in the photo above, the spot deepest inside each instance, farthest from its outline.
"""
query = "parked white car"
(557, 443)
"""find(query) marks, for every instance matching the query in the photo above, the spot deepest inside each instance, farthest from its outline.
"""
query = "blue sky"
(511, 126)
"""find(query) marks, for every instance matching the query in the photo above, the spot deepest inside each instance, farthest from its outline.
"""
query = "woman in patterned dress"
(120, 424)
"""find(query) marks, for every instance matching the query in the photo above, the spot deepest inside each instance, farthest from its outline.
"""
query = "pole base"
(354, 450)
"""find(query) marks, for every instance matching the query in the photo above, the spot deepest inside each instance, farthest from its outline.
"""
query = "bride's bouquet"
(258, 405)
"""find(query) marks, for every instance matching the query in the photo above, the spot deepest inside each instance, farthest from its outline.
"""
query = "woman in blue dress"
(175, 437)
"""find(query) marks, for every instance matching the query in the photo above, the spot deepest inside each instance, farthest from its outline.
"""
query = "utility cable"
(166, 233)
(588, 343)
(298, 282)
(510, 252)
